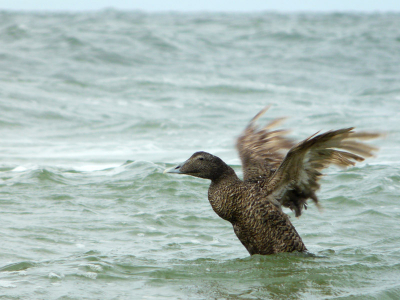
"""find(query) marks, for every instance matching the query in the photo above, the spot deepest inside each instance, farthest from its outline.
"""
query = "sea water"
(94, 106)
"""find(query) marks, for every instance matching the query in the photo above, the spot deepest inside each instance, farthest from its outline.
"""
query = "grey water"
(94, 106)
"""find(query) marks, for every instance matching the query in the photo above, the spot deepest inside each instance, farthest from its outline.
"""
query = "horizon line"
(198, 10)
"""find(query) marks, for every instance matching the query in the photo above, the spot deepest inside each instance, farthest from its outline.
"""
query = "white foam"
(7, 284)
(19, 169)
(53, 275)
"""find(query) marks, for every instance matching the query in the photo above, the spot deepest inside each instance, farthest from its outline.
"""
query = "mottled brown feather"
(297, 177)
(258, 221)
(261, 150)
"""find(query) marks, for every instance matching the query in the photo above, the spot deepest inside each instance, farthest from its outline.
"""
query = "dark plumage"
(273, 178)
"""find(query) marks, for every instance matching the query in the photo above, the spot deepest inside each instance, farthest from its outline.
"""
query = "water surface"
(94, 106)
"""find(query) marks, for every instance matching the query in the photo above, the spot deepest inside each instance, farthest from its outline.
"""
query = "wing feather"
(297, 177)
(262, 150)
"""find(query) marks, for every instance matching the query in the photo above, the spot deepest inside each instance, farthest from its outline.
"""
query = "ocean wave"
(95, 105)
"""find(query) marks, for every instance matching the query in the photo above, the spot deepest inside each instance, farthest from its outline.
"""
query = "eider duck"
(276, 173)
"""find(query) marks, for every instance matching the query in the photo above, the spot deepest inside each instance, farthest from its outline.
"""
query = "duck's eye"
(201, 158)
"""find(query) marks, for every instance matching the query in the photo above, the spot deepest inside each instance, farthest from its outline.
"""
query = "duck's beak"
(176, 169)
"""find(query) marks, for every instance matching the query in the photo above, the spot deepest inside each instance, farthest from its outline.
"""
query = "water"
(94, 106)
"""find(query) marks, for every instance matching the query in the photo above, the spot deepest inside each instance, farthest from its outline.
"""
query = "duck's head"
(201, 164)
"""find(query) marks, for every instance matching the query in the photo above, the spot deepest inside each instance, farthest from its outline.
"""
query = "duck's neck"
(223, 194)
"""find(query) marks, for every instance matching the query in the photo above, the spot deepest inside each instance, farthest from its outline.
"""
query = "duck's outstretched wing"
(262, 150)
(297, 177)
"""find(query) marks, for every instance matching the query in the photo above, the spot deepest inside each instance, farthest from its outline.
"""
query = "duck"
(277, 173)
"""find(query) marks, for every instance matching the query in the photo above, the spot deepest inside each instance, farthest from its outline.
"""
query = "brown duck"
(272, 179)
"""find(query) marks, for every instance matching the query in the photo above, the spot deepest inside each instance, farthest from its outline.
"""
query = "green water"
(94, 106)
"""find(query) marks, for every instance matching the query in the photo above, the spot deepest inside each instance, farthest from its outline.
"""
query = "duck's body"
(272, 180)
(257, 220)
